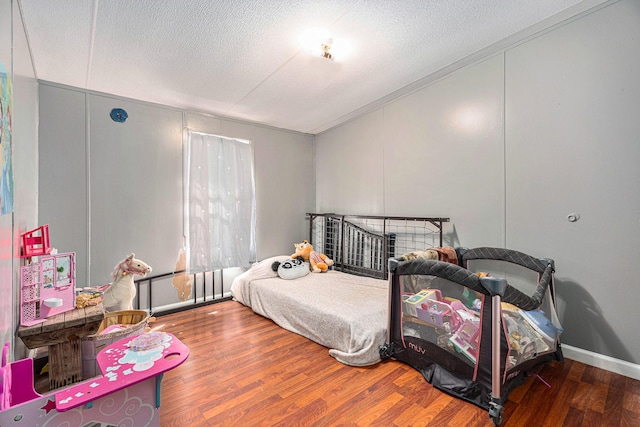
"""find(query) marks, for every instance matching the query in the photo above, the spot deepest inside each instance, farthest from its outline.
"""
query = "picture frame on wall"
(6, 174)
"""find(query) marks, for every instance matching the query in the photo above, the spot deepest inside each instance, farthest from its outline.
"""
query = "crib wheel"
(495, 412)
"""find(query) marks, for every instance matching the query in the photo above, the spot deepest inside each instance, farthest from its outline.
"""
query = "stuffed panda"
(291, 268)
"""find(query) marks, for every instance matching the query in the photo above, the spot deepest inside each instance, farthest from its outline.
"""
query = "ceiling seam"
(260, 84)
(94, 21)
(26, 34)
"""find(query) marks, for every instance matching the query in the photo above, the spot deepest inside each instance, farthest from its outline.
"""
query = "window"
(219, 203)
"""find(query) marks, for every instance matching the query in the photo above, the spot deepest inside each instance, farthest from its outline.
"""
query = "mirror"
(64, 270)
(58, 271)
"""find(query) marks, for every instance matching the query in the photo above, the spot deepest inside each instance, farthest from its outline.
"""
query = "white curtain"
(220, 203)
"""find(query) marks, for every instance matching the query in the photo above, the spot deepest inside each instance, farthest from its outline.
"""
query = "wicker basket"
(133, 322)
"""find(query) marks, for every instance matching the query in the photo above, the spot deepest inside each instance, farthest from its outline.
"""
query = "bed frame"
(362, 244)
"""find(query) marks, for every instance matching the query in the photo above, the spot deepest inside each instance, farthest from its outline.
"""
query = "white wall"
(509, 146)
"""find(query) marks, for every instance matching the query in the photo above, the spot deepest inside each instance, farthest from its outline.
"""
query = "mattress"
(348, 314)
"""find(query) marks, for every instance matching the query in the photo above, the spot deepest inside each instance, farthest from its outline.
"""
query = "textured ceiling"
(243, 58)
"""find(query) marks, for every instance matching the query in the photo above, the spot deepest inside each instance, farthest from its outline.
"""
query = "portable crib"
(474, 337)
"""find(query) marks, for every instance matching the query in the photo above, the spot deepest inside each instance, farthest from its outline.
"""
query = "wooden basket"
(134, 323)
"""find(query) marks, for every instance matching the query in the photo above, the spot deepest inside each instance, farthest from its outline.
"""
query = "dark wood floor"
(243, 370)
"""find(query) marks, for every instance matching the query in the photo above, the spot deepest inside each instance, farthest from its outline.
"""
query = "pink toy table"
(123, 367)
(128, 392)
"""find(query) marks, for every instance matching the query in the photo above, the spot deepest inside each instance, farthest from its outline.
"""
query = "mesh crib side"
(425, 331)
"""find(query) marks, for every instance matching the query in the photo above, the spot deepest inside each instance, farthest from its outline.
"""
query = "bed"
(345, 309)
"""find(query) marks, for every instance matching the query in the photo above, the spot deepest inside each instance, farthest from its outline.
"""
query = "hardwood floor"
(243, 370)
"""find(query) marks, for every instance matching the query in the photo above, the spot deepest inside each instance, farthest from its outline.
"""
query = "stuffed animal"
(319, 262)
(120, 293)
(291, 269)
(426, 254)
(438, 254)
(447, 254)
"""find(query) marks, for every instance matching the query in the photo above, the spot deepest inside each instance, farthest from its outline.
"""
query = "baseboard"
(607, 363)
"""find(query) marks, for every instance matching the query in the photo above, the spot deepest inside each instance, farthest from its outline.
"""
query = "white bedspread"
(343, 312)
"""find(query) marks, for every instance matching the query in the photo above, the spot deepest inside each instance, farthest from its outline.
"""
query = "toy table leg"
(62, 334)
(65, 363)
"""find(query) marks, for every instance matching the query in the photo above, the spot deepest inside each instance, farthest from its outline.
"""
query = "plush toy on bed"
(291, 269)
(446, 254)
(426, 254)
(319, 262)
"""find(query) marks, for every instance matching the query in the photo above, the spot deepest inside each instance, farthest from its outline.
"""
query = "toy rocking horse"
(120, 293)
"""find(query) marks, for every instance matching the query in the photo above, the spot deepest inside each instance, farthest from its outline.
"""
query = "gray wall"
(135, 198)
(509, 146)
(63, 187)
(107, 188)
(6, 230)
(25, 154)
(572, 103)
(405, 158)
(16, 59)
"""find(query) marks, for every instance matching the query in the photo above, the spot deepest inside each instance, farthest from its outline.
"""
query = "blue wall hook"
(118, 115)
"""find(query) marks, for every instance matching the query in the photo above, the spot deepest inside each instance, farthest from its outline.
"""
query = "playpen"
(474, 334)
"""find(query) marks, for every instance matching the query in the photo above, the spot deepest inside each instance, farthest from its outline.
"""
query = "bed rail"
(362, 244)
(207, 287)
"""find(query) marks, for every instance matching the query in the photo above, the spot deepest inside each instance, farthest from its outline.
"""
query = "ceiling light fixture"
(318, 42)
(325, 48)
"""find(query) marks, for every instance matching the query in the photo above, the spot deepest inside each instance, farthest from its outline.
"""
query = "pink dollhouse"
(47, 287)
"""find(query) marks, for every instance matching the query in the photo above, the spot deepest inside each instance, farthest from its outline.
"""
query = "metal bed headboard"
(362, 244)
